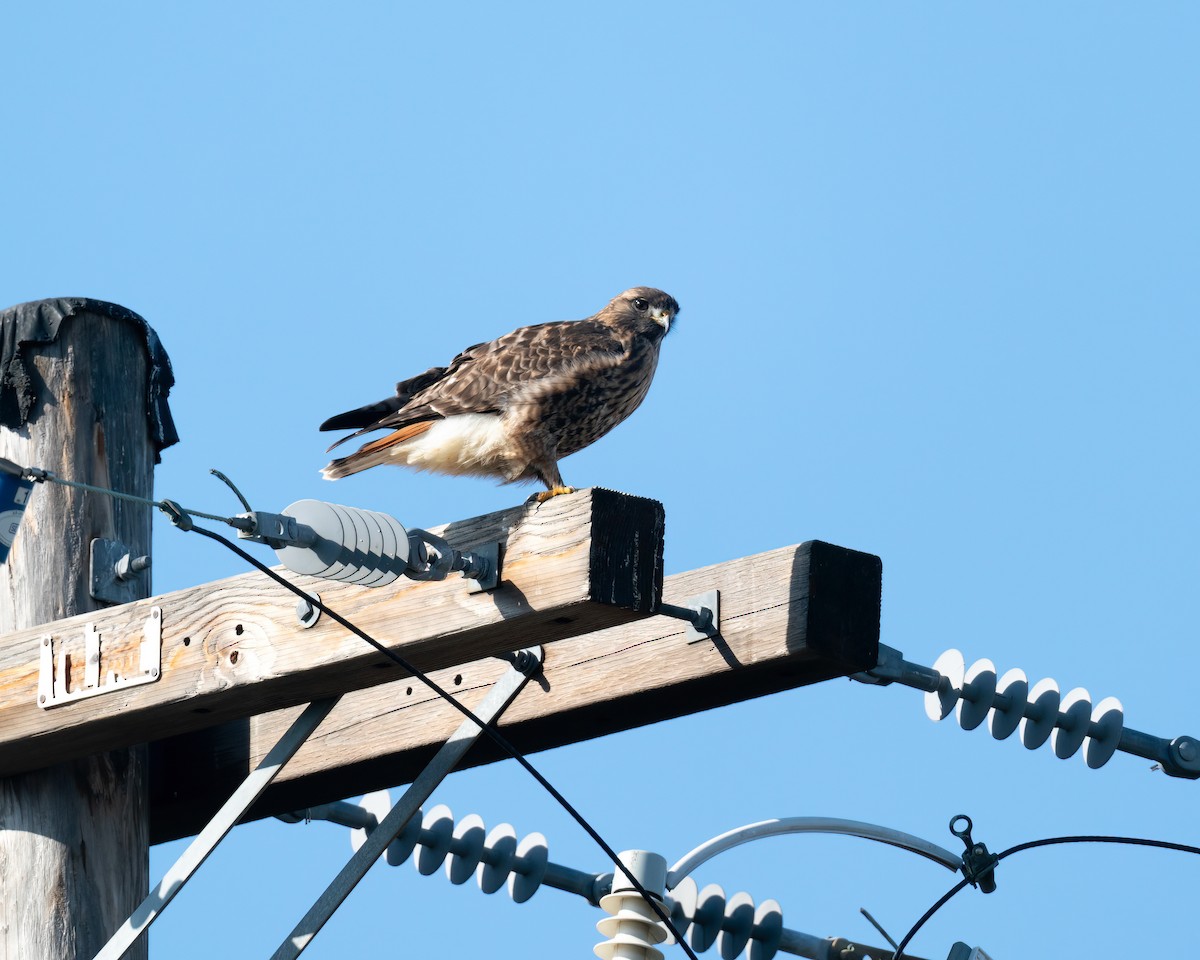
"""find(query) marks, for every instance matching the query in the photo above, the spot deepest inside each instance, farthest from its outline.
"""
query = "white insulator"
(466, 849)
(529, 867)
(978, 692)
(940, 702)
(707, 917)
(768, 931)
(379, 805)
(633, 927)
(497, 864)
(1041, 714)
(737, 926)
(1108, 721)
(437, 833)
(353, 545)
(402, 847)
(1005, 719)
(1075, 715)
(682, 903)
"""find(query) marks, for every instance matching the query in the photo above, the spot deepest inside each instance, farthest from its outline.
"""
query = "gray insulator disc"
(1005, 720)
(939, 703)
(437, 830)
(501, 845)
(768, 930)
(324, 557)
(467, 849)
(979, 691)
(1041, 715)
(707, 920)
(1108, 721)
(533, 854)
(1076, 708)
(735, 931)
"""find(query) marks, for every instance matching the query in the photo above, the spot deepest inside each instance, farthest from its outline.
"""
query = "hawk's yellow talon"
(544, 495)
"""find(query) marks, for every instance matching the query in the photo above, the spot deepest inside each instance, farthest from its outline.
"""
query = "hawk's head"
(651, 312)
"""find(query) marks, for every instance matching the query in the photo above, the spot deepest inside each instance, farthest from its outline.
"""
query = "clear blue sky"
(937, 265)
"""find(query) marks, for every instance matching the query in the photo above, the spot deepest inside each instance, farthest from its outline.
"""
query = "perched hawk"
(514, 407)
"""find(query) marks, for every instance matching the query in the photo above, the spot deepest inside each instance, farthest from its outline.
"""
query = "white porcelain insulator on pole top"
(633, 927)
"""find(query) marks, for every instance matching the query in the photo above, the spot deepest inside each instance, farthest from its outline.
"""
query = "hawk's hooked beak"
(661, 317)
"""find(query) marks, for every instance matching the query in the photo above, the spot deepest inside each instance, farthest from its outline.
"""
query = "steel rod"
(242, 799)
(499, 697)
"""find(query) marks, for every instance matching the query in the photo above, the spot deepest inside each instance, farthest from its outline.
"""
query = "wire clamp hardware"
(978, 865)
(432, 558)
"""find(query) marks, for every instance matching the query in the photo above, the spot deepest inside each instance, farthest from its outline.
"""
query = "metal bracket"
(375, 842)
(53, 672)
(702, 613)
(432, 558)
(113, 572)
(978, 865)
(276, 530)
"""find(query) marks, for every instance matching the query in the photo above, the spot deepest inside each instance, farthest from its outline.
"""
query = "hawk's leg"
(543, 495)
(549, 475)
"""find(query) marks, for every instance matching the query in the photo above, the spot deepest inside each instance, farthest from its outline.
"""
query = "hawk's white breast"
(469, 443)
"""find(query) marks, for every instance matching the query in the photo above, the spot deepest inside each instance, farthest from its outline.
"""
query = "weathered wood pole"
(74, 850)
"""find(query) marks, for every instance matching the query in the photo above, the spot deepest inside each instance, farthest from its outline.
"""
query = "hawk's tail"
(383, 450)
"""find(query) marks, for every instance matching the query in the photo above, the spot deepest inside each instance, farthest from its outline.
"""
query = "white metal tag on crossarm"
(53, 672)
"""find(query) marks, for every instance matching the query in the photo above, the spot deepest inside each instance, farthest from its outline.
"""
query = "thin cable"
(38, 475)
(177, 515)
(491, 731)
(180, 516)
(1030, 845)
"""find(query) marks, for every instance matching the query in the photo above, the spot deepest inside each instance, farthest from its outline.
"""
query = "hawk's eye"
(641, 303)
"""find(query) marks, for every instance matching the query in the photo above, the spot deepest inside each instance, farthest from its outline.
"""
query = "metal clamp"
(701, 612)
(113, 572)
(276, 530)
(978, 865)
(432, 558)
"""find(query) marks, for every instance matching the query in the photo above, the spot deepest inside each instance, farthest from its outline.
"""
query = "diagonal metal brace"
(498, 698)
(231, 812)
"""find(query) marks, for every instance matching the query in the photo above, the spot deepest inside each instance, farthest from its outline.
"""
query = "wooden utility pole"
(216, 672)
(74, 388)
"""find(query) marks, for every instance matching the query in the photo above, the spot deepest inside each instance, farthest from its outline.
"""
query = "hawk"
(514, 407)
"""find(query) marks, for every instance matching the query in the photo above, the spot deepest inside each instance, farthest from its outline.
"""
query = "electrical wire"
(38, 475)
(496, 737)
(181, 518)
(1031, 845)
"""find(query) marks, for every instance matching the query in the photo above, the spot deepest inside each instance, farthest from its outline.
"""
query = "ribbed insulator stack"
(1041, 712)
(633, 927)
(348, 543)
(707, 918)
(495, 859)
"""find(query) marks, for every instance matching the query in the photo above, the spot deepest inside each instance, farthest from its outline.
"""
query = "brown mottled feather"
(550, 390)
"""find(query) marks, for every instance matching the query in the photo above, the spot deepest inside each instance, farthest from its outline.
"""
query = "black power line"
(184, 523)
(1031, 845)
(181, 517)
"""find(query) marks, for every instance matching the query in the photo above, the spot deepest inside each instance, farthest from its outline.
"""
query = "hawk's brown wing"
(485, 377)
